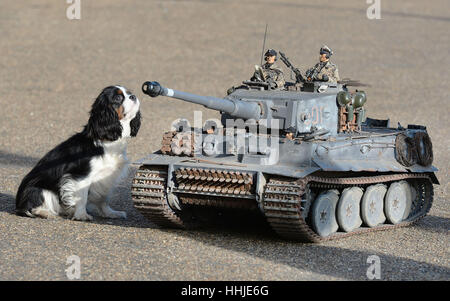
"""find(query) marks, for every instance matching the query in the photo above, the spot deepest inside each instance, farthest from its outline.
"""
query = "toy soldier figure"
(325, 70)
(270, 72)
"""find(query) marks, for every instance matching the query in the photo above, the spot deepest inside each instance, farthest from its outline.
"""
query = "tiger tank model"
(306, 157)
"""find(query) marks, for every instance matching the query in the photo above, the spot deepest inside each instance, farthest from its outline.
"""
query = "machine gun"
(298, 75)
(311, 74)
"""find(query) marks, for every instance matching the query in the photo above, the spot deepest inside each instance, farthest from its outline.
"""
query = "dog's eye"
(132, 97)
(118, 98)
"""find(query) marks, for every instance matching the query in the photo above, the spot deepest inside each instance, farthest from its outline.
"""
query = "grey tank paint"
(372, 149)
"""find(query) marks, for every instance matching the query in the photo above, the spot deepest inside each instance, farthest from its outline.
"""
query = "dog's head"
(115, 114)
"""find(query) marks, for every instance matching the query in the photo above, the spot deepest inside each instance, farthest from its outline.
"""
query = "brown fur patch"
(120, 112)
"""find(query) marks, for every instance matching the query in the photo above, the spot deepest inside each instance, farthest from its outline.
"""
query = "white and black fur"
(81, 172)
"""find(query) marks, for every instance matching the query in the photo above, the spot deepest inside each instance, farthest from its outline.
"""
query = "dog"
(78, 175)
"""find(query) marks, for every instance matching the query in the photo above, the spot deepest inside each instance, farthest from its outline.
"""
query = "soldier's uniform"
(327, 68)
(275, 73)
(324, 71)
(271, 74)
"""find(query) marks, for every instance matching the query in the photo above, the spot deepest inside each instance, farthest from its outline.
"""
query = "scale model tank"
(306, 157)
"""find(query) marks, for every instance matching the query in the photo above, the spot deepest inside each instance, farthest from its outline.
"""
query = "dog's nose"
(133, 97)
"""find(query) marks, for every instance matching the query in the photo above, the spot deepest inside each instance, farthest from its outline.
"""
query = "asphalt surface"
(52, 68)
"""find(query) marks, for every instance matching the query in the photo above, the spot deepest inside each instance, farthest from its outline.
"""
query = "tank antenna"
(264, 45)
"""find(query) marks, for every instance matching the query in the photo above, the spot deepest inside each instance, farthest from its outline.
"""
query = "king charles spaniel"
(79, 174)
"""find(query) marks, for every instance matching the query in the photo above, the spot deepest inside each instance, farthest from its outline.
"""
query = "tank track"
(148, 192)
(206, 201)
(285, 203)
(149, 187)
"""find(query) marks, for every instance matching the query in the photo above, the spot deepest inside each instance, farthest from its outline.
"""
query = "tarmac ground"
(52, 68)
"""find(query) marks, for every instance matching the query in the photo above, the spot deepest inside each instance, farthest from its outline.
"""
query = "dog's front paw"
(82, 217)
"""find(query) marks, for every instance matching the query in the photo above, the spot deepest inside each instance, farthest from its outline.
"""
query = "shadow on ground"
(434, 224)
(7, 203)
(7, 159)
(254, 237)
(134, 219)
(247, 232)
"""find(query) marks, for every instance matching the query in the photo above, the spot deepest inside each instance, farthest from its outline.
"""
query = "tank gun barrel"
(235, 108)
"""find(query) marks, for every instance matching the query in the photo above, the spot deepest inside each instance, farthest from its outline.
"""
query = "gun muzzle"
(152, 89)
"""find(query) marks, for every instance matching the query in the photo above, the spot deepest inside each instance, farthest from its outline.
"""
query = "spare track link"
(284, 206)
(211, 180)
(227, 186)
(171, 137)
(148, 192)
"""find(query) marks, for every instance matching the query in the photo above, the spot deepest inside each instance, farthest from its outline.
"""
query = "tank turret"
(315, 109)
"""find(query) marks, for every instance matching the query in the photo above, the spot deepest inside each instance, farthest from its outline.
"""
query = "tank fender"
(434, 179)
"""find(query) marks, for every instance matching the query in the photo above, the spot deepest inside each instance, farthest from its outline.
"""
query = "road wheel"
(397, 202)
(323, 214)
(372, 211)
(348, 209)
(410, 195)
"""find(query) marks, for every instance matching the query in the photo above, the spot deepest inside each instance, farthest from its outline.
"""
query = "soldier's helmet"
(271, 52)
(326, 50)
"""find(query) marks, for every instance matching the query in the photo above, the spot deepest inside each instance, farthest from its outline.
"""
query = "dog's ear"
(104, 121)
(135, 124)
